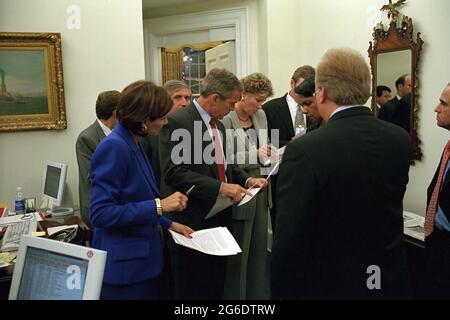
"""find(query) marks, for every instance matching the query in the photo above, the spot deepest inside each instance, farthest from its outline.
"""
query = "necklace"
(243, 120)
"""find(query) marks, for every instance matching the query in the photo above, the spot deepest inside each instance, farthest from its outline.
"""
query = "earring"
(144, 127)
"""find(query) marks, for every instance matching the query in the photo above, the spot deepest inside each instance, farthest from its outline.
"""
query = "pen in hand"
(190, 190)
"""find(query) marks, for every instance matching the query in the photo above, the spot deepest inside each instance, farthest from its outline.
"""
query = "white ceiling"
(151, 4)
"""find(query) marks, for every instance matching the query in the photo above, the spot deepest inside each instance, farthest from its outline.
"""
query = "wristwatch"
(159, 211)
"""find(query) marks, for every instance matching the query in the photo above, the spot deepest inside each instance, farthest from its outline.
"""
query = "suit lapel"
(285, 115)
(197, 117)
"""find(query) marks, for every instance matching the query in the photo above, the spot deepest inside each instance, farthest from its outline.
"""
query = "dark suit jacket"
(194, 171)
(340, 193)
(85, 146)
(123, 210)
(150, 144)
(279, 117)
(402, 113)
(387, 110)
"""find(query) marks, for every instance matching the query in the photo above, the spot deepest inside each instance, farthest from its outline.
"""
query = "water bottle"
(20, 201)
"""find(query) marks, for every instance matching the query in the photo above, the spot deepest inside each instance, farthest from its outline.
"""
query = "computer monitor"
(54, 182)
(53, 270)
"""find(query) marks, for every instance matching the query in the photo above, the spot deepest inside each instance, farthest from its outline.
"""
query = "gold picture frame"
(31, 82)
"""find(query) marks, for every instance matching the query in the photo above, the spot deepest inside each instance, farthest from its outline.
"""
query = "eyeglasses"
(315, 91)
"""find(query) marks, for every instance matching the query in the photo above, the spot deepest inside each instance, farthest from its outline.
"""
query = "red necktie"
(218, 152)
(432, 206)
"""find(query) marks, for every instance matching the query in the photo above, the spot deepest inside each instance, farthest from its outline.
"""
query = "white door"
(222, 56)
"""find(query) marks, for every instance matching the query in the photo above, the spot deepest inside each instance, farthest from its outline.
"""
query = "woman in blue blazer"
(125, 209)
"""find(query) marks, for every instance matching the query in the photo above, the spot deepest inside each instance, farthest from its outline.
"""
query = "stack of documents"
(413, 225)
(215, 241)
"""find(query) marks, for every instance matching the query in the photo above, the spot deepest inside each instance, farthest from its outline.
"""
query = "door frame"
(157, 30)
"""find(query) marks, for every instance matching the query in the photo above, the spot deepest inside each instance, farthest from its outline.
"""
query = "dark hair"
(380, 89)
(140, 101)
(307, 88)
(106, 104)
(401, 80)
(220, 81)
(306, 72)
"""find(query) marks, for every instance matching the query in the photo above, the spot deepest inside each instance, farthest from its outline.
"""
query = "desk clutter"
(12, 228)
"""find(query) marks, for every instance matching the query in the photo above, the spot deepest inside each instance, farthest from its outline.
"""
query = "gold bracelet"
(159, 211)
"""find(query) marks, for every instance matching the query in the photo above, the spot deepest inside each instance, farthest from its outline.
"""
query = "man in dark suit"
(437, 219)
(180, 93)
(339, 233)
(383, 95)
(280, 113)
(192, 153)
(402, 113)
(404, 87)
(87, 141)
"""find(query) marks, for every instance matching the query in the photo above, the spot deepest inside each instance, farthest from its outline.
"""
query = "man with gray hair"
(180, 93)
(201, 163)
(339, 233)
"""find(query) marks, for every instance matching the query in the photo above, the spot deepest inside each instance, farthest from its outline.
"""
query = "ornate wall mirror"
(394, 57)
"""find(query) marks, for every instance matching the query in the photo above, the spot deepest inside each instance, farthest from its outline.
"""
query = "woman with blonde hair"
(248, 137)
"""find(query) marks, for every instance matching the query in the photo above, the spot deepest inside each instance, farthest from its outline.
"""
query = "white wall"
(106, 53)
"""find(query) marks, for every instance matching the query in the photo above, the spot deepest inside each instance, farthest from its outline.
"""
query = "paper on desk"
(7, 257)
(3, 264)
(413, 225)
(215, 241)
(18, 218)
(247, 198)
(53, 230)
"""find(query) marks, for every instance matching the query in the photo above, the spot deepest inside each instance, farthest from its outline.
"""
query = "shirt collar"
(105, 129)
(291, 102)
(341, 108)
(205, 115)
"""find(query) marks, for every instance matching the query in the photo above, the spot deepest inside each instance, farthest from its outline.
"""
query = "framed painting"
(31, 82)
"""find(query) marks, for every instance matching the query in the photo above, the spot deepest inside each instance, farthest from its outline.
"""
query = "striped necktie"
(299, 126)
(218, 151)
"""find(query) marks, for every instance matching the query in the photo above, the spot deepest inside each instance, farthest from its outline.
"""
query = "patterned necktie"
(218, 152)
(432, 206)
(299, 126)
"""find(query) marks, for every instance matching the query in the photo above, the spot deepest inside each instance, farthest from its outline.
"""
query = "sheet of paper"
(247, 198)
(19, 217)
(222, 203)
(215, 241)
(413, 225)
(53, 230)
